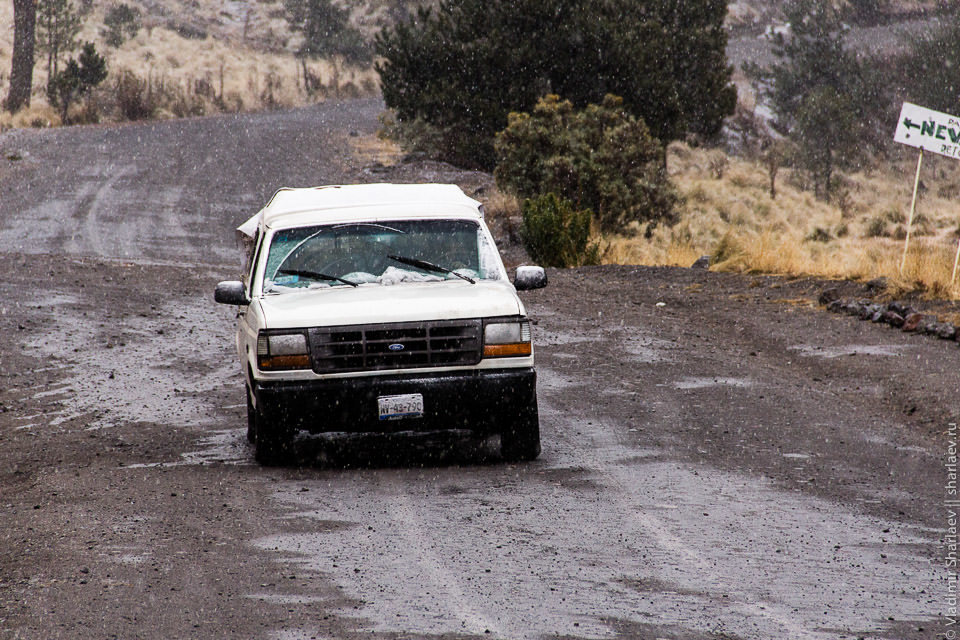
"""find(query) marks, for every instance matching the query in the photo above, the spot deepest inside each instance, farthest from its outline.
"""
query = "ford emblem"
(396, 347)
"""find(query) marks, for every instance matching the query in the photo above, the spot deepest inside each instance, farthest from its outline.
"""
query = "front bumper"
(482, 401)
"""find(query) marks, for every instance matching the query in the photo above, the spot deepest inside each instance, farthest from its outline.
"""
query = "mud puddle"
(119, 370)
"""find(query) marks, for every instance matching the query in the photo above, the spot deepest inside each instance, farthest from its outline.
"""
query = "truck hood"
(405, 302)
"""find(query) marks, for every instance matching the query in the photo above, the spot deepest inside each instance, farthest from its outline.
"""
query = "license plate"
(408, 405)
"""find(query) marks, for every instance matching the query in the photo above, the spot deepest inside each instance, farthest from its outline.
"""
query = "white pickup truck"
(382, 308)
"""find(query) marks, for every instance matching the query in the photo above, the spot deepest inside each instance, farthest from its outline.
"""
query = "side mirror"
(530, 278)
(230, 292)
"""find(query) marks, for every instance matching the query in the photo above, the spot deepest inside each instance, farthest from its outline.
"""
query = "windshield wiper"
(429, 266)
(315, 276)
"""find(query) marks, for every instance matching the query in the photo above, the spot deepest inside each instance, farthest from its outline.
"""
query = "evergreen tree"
(826, 99)
(463, 67)
(813, 56)
(928, 69)
(828, 136)
(79, 76)
(326, 32)
(58, 24)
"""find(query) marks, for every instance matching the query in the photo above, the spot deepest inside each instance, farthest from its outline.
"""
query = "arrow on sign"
(910, 125)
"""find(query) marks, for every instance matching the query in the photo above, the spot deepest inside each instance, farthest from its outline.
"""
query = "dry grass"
(372, 150)
(36, 116)
(858, 235)
(246, 59)
(501, 205)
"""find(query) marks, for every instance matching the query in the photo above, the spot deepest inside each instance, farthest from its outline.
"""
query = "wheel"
(251, 418)
(271, 440)
(522, 440)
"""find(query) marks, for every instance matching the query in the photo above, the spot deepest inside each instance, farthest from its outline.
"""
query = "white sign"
(929, 130)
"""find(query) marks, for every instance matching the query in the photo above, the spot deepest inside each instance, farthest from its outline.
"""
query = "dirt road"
(720, 458)
(865, 40)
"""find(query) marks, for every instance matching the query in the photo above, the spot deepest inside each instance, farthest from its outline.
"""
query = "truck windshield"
(359, 253)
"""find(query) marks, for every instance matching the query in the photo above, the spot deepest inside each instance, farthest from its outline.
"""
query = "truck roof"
(345, 203)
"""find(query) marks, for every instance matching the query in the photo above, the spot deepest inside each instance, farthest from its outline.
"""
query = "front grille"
(442, 343)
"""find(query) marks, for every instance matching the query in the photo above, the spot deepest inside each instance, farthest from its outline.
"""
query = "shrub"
(135, 96)
(601, 158)
(120, 22)
(828, 136)
(876, 228)
(894, 214)
(844, 201)
(819, 234)
(717, 161)
(183, 104)
(416, 137)
(727, 248)
(272, 86)
(949, 191)
(557, 235)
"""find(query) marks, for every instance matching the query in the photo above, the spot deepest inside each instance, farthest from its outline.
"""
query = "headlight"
(282, 351)
(507, 339)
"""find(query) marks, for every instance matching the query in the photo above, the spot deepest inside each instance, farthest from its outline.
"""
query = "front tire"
(521, 441)
(271, 437)
(251, 418)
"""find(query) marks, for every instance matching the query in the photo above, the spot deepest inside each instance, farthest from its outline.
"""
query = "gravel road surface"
(721, 458)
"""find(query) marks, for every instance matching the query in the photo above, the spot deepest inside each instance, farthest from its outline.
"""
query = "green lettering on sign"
(929, 128)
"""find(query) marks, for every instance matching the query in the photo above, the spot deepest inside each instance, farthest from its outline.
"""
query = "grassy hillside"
(240, 52)
(728, 213)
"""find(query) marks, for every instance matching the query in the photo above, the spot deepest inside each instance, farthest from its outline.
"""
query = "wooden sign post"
(956, 261)
(913, 207)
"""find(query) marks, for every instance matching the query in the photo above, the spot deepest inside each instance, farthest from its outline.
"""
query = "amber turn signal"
(268, 363)
(507, 350)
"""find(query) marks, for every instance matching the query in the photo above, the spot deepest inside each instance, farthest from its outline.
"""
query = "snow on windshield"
(360, 253)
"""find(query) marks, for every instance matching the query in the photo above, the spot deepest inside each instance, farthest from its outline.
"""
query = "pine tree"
(326, 32)
(79, 76)
(824, 96)
(58, 24)
(462, 68)
(812, 57)
(928, 68)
